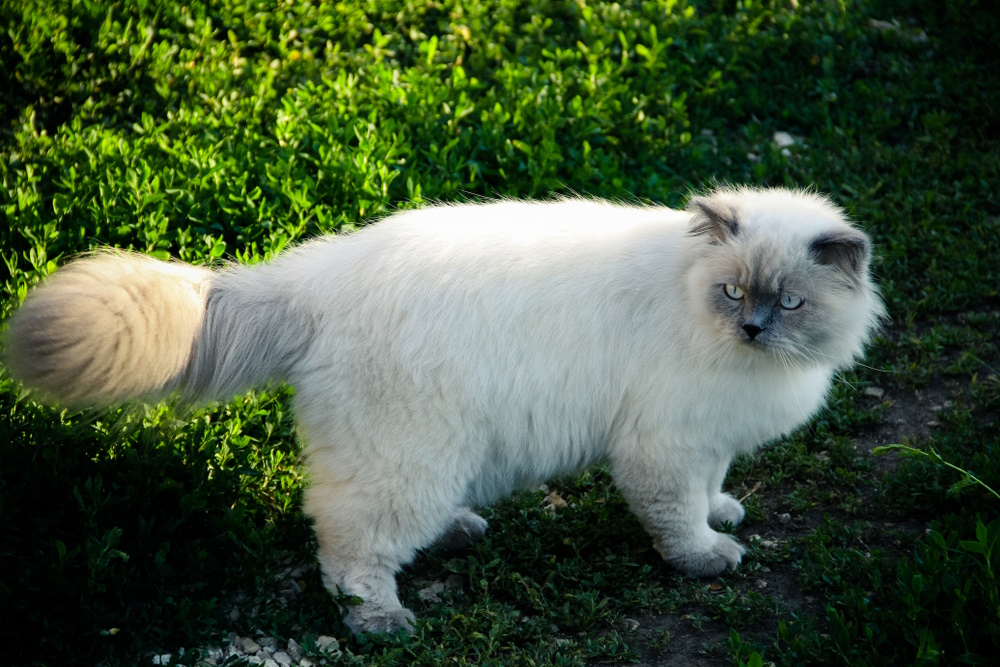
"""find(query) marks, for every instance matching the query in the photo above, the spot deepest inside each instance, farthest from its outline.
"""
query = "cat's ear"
(719, 220)
(848, 251)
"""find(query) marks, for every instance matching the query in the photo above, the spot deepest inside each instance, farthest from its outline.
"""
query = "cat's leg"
(466, 527)
(666, 488)
(369, 526)
(722, 507)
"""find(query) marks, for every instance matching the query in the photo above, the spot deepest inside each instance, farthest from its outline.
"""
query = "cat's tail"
(114, 327)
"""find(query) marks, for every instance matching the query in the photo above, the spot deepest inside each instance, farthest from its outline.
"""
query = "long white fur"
(445, 356)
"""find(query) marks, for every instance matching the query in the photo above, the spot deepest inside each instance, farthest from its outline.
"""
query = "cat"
(446, 356)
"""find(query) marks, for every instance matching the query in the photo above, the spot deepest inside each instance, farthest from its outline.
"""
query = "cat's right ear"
(847, 251)
(714, 218)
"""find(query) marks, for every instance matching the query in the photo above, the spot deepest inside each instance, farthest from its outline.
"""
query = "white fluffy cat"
(445, 356)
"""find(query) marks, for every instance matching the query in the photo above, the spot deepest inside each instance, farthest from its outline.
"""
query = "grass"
(236, 128)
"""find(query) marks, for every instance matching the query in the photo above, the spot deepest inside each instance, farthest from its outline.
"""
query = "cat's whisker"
(786, 362)
(812, 349)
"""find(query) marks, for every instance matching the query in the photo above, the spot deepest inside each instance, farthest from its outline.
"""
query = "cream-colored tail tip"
(107, 328)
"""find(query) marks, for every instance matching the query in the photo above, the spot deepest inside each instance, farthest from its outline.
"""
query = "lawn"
(234, 129)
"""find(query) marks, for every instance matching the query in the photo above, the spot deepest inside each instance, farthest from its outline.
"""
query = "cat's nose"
(752, 330)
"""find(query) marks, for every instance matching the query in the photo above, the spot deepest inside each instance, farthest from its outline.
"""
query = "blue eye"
(790, 301)
(733, 292)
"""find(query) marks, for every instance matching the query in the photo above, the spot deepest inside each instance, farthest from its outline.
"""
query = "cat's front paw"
(724, 554)
(725, 509)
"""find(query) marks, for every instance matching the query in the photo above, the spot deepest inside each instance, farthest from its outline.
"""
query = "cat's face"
(783, 274)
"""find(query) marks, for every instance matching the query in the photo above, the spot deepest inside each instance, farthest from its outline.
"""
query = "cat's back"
(507, 235)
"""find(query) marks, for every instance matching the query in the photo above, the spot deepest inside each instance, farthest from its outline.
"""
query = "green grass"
(237, 128)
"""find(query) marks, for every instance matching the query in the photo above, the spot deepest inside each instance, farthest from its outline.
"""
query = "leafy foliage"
(235, 128)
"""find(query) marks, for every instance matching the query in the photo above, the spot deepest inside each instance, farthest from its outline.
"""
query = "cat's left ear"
(848, 251)
(713, 217)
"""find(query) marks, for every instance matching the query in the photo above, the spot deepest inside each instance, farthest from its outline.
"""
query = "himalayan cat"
(445, 356)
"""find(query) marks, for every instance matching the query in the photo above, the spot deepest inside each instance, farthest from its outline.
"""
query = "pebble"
(328, 644)
(432, 592)
(873, 392)
(262, 651)
(782, 139)
(784, 518)
(294, 650)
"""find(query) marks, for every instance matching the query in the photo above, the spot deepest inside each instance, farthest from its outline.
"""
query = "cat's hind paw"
(725, 509)
(466, 527)
(368, 618)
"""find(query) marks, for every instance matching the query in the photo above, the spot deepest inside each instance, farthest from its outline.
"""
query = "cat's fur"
(444, 356)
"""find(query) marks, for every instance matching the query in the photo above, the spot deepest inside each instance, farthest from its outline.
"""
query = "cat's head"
(782, 272)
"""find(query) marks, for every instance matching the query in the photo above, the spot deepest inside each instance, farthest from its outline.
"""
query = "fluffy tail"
(114, 327)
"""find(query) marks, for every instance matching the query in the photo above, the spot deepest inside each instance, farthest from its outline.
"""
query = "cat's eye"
(733, 291)
(790, 301)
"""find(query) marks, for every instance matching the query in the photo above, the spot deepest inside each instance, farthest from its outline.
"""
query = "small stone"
(254, 660)
(306, 662)
(250, 647)
(163, 659)
(234, 614)
(782, 139)
(933, 423)
(270, 663)
(268, 643)
(294, 650)
(432, 592)
(761, 584)
(913, 36)
(631, 624)
(874, 392)
(785, 517)
(328, 644)
(283, 659)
